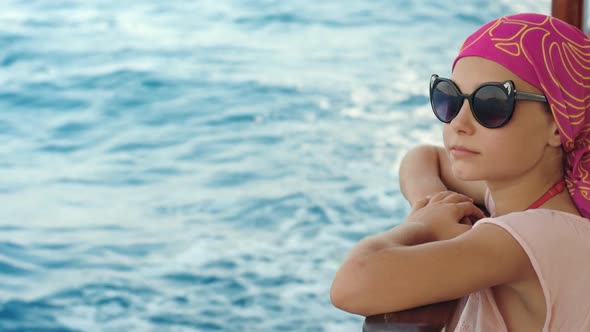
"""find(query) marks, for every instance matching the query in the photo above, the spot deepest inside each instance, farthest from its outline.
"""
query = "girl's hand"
(447, 214)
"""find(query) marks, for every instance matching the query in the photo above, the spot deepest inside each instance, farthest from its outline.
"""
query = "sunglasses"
(492, 104)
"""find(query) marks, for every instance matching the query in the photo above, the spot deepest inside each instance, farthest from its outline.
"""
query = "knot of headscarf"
(554, 57)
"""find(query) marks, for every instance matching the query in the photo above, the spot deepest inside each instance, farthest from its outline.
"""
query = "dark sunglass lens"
(446, 101)
(492, 106)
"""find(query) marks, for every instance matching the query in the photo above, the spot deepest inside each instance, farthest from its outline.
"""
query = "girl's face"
(505, 153)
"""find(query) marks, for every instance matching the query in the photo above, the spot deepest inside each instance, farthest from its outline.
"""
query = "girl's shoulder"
(554, 241)
(544, 229)
(534, 218)
(557, 245)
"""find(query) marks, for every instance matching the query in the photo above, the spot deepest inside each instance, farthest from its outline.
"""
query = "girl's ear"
(554, 139)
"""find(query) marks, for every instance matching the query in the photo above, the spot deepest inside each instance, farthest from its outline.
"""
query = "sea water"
(206, 165)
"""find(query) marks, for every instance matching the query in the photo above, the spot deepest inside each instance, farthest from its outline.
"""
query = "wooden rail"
(434, 317)
(571, 11)
(431, 318)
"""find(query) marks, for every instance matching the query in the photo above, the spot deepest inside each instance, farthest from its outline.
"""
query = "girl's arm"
(391, 271)
(426, 170)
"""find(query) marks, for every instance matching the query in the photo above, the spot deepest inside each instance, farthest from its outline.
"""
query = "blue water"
(206, 165)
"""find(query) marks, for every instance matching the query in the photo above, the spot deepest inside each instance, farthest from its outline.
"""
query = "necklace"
(552, 192)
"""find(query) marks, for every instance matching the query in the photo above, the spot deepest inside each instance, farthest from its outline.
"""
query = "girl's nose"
(464, 122)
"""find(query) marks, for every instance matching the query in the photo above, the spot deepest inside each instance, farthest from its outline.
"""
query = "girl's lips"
(462, 152)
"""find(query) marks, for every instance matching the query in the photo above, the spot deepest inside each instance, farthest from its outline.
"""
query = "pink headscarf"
(554, 57)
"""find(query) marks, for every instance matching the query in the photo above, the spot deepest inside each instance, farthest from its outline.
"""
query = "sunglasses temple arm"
(530, 96)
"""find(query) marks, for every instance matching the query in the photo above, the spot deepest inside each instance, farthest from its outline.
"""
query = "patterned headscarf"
(554, 57)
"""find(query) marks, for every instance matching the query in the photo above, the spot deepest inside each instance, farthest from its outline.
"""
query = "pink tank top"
(558, 246)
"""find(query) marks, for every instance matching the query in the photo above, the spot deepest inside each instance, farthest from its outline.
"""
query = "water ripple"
(30, 316)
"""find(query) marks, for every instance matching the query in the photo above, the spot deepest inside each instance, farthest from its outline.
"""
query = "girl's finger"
(457, 198)
(466, 221)
(440, 196)
(466, 209)
(420, 203)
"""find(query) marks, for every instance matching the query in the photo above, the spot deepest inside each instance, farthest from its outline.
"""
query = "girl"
(516, 115)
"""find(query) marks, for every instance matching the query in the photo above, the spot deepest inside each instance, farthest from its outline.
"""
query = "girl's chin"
(466, 175)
